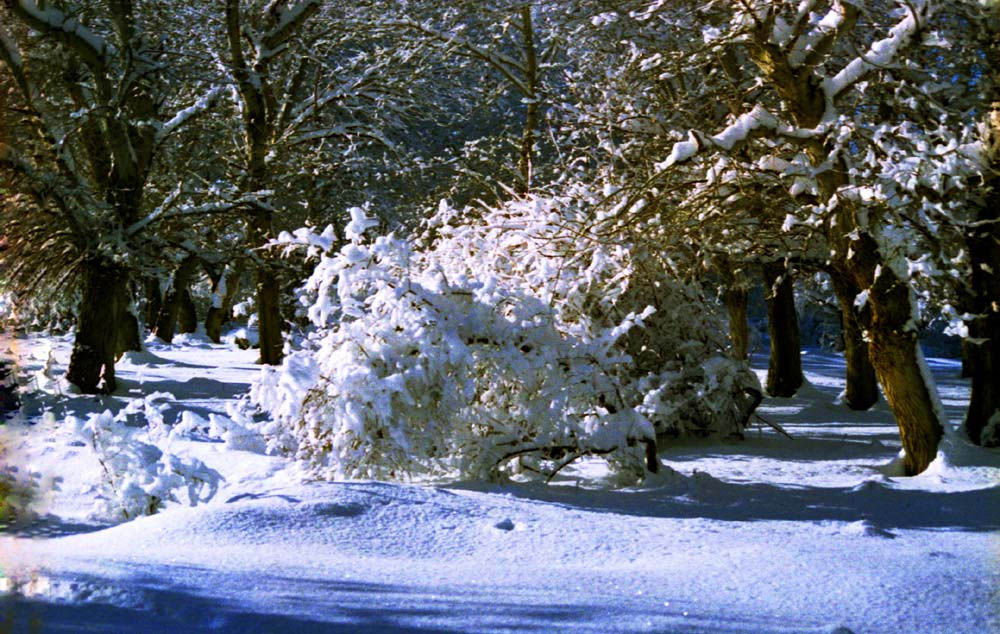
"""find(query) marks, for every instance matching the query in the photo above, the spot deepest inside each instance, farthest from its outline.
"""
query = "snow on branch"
(90, 46)
(746, 126)
(288, 22)
(884, 51)
(183, 116)
(809, 49)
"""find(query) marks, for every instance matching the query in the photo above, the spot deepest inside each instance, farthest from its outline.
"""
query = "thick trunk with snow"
(784, 371)
(861, 389)
(894, 351)
(103, 305)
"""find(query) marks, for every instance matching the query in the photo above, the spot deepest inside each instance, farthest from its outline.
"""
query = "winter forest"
(500, 316)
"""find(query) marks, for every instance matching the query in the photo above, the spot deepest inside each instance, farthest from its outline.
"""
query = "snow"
(184, 115)
(56, 19)
(768, 534)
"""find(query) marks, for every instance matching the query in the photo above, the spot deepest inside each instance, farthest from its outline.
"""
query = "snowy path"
(766, 535)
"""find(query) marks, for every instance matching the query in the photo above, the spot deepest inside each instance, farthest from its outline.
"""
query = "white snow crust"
(814, 534)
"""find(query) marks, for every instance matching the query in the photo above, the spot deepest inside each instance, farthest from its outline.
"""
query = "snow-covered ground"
(813, 534)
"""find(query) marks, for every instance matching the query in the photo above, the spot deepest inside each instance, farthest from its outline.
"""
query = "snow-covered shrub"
(139, 478)
(520, 332)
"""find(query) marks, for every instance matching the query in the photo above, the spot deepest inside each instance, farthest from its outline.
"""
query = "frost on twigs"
(518, 337)
(137, 477)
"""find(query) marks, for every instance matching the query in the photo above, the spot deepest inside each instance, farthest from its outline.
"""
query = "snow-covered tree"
(828, 78)
(98, 100)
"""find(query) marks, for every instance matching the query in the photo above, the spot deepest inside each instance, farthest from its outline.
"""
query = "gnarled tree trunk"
(861, 389)
(103, 305)
(784, 371)
(896, 355)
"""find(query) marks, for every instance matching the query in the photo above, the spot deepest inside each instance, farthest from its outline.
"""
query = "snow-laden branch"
(882, 52)
(88, 45)
(183, 116)
(746, 126)
(288, 22)
(810, 48)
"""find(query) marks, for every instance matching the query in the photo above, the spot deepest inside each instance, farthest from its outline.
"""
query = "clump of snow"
(139, 478)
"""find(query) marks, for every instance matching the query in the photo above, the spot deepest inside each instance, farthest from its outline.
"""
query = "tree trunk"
(129, 337)
(154, 300)
(525, 161)
(98, 330)
(784, 371)
(223, 294)
(861, 390)
(9, 399)
(187, 315)
(166, 321)
(739, 329)
(966, 372)
(268, 316)
(894, 352)
(983, 344)
(983, 241)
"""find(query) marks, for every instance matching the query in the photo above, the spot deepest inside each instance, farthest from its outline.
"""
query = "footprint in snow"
(504, 525)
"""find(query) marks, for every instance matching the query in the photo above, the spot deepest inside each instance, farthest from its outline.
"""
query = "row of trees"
(146, 143)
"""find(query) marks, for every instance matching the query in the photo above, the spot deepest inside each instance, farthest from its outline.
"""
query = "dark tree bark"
(983, 344)
(103, 305)
(166, 321)
(129, 336)
(187, 315)
(861, 389)
(739, 328)
(784, 371)
(983, 241)
(269, 316)
(9, 399)
(895, 353)
(966, 372)
(154, 301)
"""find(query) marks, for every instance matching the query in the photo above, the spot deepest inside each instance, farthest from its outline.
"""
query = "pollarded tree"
(98, 102)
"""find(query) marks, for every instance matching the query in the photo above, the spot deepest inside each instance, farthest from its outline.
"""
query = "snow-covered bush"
(139, 478)
(522, 331)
